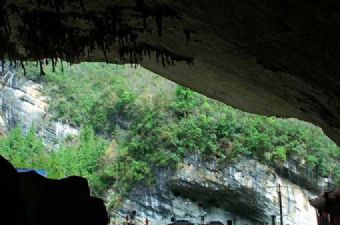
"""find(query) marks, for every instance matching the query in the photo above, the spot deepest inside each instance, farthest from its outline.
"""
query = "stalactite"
(62, 66)
(38, 3)
(136, 54)
(81, 3)
(23, 67)
(159, 21)
(14, 8)
(163, 60)
(53, 64)
(187, 34)
(42, 72)
(44, 34)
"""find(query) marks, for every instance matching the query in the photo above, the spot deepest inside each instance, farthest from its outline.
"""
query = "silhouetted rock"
(10, 197)
(98, 212)
(31, 199)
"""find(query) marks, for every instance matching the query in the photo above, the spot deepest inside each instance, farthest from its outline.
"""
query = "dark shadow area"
(29, 198)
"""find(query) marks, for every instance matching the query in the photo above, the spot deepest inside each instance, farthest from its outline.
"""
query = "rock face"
(244, 193)
(23, 104)
(267, 57)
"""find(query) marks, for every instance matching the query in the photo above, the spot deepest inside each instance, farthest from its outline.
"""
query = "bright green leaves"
(23, 150)
(312, 161)
(280, 154)
(82, 159)
(186, 101)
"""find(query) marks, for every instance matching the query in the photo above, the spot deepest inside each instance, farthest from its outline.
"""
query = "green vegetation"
(134, 121)
(79, 158)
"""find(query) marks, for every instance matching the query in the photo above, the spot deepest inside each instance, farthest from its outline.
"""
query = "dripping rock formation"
(266, 57)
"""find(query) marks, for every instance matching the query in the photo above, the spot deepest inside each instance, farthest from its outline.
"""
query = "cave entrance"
(124, 128)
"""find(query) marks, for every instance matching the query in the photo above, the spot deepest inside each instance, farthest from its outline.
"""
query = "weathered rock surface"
(267, 57)
(245, 193)
(23, 104)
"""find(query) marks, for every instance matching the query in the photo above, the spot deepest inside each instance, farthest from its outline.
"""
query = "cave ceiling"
(270, 57)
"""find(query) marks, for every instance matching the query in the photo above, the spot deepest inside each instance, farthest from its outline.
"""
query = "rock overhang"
(266, 57)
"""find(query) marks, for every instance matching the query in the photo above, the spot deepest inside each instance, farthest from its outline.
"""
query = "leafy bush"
(23, 150)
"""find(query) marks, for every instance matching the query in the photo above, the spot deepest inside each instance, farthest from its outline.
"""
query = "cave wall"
(267, 57)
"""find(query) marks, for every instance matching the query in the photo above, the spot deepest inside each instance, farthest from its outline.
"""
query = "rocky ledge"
(244, 193)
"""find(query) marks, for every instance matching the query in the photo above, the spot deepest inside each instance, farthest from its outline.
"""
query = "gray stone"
(245, 192)
(23, 104)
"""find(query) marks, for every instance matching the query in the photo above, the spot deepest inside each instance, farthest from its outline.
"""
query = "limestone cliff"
(23, 104)
(244, 193)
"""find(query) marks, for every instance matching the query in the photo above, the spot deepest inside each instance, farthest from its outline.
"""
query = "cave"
(265, 57)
